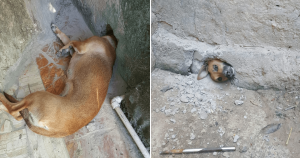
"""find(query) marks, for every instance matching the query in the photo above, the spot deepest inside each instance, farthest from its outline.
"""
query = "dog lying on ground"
(88, 77)
(219, 71)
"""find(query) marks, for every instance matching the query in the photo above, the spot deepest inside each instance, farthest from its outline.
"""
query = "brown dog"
(219, 71)
(89, 73)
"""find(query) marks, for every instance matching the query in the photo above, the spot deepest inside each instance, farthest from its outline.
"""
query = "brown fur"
(208, 67)
(89, 73)
(213, 74)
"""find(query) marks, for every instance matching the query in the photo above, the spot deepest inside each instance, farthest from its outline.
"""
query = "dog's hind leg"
(63, 37)
(13, 108)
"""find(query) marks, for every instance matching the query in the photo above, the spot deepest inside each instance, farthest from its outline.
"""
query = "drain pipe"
(115, 103)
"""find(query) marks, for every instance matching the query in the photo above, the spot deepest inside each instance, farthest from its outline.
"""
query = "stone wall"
(16, 30)
(259, 38)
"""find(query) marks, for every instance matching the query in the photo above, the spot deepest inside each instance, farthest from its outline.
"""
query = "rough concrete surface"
(258, 38)
(199, 114)
(16, 30)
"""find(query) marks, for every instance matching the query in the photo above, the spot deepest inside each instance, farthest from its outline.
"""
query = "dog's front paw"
(53, 28)
(64, 52)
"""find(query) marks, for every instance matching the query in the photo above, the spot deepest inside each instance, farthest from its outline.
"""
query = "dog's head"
(219, 71)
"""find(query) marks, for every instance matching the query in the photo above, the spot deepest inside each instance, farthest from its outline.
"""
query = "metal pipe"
(181, 151)
(115, 103)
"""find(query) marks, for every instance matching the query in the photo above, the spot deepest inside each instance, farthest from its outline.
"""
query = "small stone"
(225, 154)
(172, 103)
(173, 136)
(190, 82)
(193, 110)
(192, 136)
(184, 111)
(238, 102)
(173, 120)
(156, 110)
(236, 137)
(171, 130)
(166, 135)
(184, 99)
(203, 115)
(243, 149)
(215, 153)
(245, 117)
(163, 109)
(168, 112)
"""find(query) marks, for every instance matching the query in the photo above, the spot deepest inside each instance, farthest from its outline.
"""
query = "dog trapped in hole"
(219, 70)
(88, 77)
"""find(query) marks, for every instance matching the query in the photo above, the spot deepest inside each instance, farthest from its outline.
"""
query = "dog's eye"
(215, 67)
(219, 79)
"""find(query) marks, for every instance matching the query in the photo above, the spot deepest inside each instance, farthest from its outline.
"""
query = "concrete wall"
(16, 30)
(259, 38)
(130, 22)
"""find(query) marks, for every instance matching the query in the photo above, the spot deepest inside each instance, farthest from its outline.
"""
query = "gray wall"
(259, 38)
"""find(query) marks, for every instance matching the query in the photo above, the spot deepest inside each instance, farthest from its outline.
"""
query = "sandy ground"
(187, 113)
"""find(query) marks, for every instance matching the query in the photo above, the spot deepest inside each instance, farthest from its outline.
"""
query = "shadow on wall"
(130, 23)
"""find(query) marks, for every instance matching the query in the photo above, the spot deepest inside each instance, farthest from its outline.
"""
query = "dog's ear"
(199, 77)
(10, 98)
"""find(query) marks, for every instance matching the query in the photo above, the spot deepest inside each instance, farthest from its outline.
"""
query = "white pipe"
(115, 103)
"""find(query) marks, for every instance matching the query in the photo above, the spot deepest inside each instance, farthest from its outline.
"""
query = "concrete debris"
(289, 108)
(266, 138)
(221, 131)
(166, 135)
(215, 153)
(167, 88)
(169, 112)
(225, 154)
(184, 99)
(163, 109)
(173, 136)
(243, 149)
(203, 115)
(271, 128)
(238, 102)
(192, 136)
(193, 110)
(235, 139)
(173, 120)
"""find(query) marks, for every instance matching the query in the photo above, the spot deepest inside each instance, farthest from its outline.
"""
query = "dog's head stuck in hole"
(219, 70)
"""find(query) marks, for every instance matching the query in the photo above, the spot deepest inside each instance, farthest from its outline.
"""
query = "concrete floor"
(187, 113)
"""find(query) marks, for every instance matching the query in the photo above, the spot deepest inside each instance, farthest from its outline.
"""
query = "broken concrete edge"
(256, 67)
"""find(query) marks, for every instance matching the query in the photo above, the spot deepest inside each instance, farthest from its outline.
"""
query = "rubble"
(235, 139)
(238, 102)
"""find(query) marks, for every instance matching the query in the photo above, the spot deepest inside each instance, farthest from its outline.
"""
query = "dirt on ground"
(187, 113)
